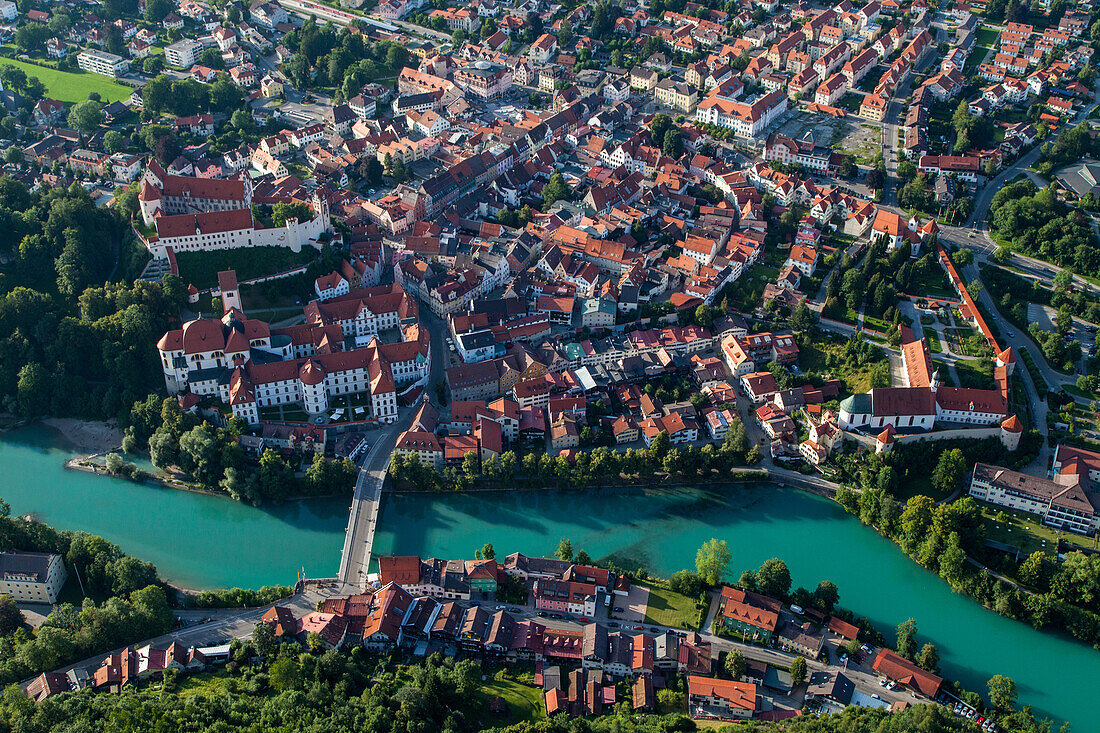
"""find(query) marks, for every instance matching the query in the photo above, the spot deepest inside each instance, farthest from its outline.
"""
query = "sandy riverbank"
(87, 436)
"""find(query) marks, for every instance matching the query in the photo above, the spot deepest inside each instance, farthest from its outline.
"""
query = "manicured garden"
(1018, 528)
(72, 86)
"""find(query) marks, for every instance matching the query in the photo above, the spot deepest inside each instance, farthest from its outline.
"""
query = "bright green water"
(207, 541)
(195, 540)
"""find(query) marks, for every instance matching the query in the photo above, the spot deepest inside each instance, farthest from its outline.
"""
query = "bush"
(687, 582)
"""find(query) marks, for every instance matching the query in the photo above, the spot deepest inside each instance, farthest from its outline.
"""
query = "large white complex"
(338, 351)
(200, 214)
(924, 402)
(1069, 500)
(101, 62)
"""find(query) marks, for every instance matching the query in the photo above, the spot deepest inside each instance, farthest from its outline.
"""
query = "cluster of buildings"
(364, 344)
(195, 214)
(128, 667)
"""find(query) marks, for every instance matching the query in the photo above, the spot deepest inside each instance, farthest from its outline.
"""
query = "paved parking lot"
(633, 605)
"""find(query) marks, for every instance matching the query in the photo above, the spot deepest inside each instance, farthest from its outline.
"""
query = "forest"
(74, 340)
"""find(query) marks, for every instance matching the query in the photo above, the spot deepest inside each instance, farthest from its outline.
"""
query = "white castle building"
(200, 214)
(338, 351)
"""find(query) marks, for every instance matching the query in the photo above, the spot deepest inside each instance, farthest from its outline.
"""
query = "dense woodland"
(70, 344)
(1037, 224)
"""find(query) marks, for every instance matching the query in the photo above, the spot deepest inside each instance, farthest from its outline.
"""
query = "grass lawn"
(987, 36)
(1074, 390)
(204, 684)
(974, 60)
(524, 703)
(1016, 527)
(667, 608)
(878, 324)
(72, 86)
(202, 268)
(933, 343)
(976, 373)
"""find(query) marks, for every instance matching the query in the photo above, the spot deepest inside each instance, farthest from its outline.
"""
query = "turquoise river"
(205, 541)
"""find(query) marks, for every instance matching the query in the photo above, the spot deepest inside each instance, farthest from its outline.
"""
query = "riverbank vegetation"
(185, 445)
(949, 539)
(124, 601)
(660, 463)
(74, 340)
(110, 599)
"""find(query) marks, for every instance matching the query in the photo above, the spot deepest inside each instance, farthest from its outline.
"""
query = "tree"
(673, 144)
(687, 582)
(565, 550)
(487, 552)
(773, 578)
(156, 10)
(658, 128)
(284, 674)
(826, 596)
(916, 518)
(114, 463)
(735, 664)
(907, 632)
(798, 671)
(86, 116)
(263, 639)
(11, 618)
(712, 560)
(565, 34)
(282, 212)
(928, 658)
(949, 470)
(33, 390)
(114, 141)
(32, 36)
(1002, 692)
(555, 189)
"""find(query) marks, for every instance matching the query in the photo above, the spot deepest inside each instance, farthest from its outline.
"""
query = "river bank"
(87, 436)
(201, 542)
(89, 464)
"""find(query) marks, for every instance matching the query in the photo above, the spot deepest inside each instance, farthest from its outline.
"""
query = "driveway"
(634, 605)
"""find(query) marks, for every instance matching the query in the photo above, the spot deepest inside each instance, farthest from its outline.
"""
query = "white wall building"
(32, 577)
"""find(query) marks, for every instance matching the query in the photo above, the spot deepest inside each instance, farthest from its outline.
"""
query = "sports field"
(72, 86)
